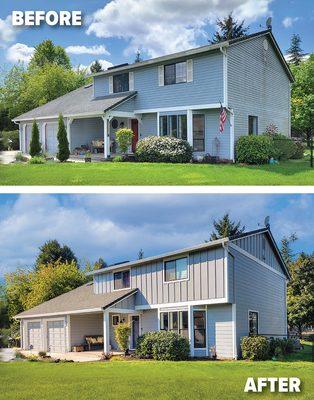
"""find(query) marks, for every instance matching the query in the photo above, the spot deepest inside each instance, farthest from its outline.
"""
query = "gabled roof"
(200, 50)
(75, 103)
(82, 299)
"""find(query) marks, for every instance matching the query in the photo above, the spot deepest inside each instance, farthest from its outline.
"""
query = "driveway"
(7, 354)
(6, 157)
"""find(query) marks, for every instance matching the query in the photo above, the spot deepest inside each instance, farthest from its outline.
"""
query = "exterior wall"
(207, 85)
(148, 125)
(126, 304)
(254, 245)
(219, 326)
(216, 143)
(257, 85)
(84, 130)
(127, 106)
(258, 289)
(206, 280)
(83, 325)
(149, 321)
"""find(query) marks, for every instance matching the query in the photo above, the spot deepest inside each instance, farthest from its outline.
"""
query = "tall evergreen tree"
(95, 67)
(295, 52)
(286, 250)
(229, 28)
(49, 53)
(140, 254)
(138, 57)
(224, 227)
(100, 264)
(63, 144)
(35, 146)
(51, 252)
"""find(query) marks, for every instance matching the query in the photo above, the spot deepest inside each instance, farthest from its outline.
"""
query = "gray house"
(213, 294)
(178, 95)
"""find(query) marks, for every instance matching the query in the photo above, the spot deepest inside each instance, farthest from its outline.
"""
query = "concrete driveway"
(6, 157)
(7, 354)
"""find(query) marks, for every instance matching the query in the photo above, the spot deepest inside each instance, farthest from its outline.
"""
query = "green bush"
(163, 149)
(299, 151)
(4, 337)
(37, 160)
(254, 149)
(284, 147)
(117, 159)
(280, 347)
(122, 333)
(35, 146)
(20, 158)
(9, 140)
(63, 144)
(163, 345)
(255, 348)
(124, 138)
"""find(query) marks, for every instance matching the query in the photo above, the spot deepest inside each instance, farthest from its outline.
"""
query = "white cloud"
(289, 21)
(104, 63)
(159, 27)
(94, 50)
(7, 31)
(19, 52)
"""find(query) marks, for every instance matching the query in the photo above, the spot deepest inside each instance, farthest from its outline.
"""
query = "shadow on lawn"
(306, 354)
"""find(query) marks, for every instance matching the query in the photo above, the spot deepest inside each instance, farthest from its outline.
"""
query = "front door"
(134, 127)
(135, 325)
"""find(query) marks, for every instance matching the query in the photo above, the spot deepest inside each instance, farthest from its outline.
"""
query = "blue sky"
(114, 29)
(116, 226)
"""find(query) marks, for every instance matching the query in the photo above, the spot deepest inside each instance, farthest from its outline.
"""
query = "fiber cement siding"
(149, 321)
(219, 325)
(84, 325)
(84, 130)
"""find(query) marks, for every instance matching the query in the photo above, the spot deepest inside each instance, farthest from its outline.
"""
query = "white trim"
(24, 138)
(86, 311)
(222, 300)
(207, 335)
(231, 135)
(286, 313)
(69, 123)
(122, 114)
(115, 315)
(248, 320)
(121, 310)
(106, 136)
(118, 290)
(79, 115)
(158, 123)
(106, 331)
(43, 136)
(139, 326)
(180, 108)
(191, 330)
(240, 250)
(234, 330)
(201, 348)
(187, 256)
(69, 333)
(225, 74)
(189, 121)
(226, 271)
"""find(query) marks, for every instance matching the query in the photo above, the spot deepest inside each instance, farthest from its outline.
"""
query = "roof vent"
(117, 66)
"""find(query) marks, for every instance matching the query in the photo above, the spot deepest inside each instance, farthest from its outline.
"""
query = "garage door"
(34, 336)
(56, 336)
(51, 138)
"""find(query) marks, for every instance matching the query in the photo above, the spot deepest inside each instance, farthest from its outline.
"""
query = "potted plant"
(88, 156)
(213, 352)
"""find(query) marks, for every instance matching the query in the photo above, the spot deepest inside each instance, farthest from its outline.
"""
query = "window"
(175, 73)
(253, 125)
(176, 321)
(115, 320)
(199, 132)
(176, 269)
(199, 321)
(121, 83)
(173, 125)
(121, 280)
(253, 323)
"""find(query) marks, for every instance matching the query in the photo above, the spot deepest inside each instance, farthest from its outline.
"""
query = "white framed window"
(173, 125)
(253, 322)
(199, 326)
(253, 125)
(175, 73)
(115, 320)
(121, 280)
(198, 132)
(121, 83)
(176, 269)
(176, 321)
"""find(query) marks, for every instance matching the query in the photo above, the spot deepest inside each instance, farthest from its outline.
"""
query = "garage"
(28, 135)
(56, 336)
(34, 336)
(51, 138)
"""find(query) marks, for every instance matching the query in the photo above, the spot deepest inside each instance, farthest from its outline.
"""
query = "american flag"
(222, 119)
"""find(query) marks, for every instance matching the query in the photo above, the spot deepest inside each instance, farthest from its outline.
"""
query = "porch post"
(190, 127)
(69, 122)
(191, 330)
(43, 136)
(106, 332)
(68, 331)
(106, 137)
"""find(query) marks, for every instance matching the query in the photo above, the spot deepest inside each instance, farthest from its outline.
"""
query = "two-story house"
(178, 95)
(213, 294)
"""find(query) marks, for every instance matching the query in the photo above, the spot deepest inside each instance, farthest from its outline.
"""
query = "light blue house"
(213, 293)
(178, 95)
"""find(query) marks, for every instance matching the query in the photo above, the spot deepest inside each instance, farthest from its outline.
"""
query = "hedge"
(254, 149)
(255, 348)
(163, 149)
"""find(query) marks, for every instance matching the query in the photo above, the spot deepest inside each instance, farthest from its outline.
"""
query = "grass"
(149, 379)
(292, 172)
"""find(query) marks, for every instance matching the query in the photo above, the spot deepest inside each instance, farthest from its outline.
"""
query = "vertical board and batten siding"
(206, 87)
(258, 289)
(254, 245)
(219, 326)
(206, 280)
(84, 325)
(125, 304)
(257, 87)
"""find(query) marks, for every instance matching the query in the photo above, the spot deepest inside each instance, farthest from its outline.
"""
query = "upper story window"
(253, 125)
(253, 323)
(121, 83)
(176, 269)
(173, 125)
(121, 280)
(175, 73)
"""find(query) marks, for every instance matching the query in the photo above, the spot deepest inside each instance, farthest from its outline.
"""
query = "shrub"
(124, 138)
(280, 347)
(4, 337)
(122, 334)
(163, 345)
(117, 159)
(299, 151)
(35, 146)
(37, 160)
(20, 158)
(42, 354)
(271, 130)
(63, 144)
(255, 348)
(9, 140)
(254, 149)
(284, 147)
(163, 149)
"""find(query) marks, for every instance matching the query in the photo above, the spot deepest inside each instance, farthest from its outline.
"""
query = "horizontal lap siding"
(256, 87)
(84, 325)
(101, 86)
(148, 125)
(206, 280)
(127, 106)
(84, 130)
(219, 325)
(216, 143)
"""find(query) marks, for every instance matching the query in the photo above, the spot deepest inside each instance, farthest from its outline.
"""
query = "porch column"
(68, 333)
(191, 330)
(190, 127)
(69, 122)
(106, 332)
(106, 137)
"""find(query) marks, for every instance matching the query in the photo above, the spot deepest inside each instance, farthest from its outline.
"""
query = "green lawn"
(149, 379)
(293, 172)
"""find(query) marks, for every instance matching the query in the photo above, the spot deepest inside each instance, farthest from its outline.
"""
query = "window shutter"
(189, 69)
(110, 84)
(131, 81)
(161, 75)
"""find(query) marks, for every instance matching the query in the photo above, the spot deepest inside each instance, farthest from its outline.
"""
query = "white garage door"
(34, 336)
(51, 138)
(56, 336)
